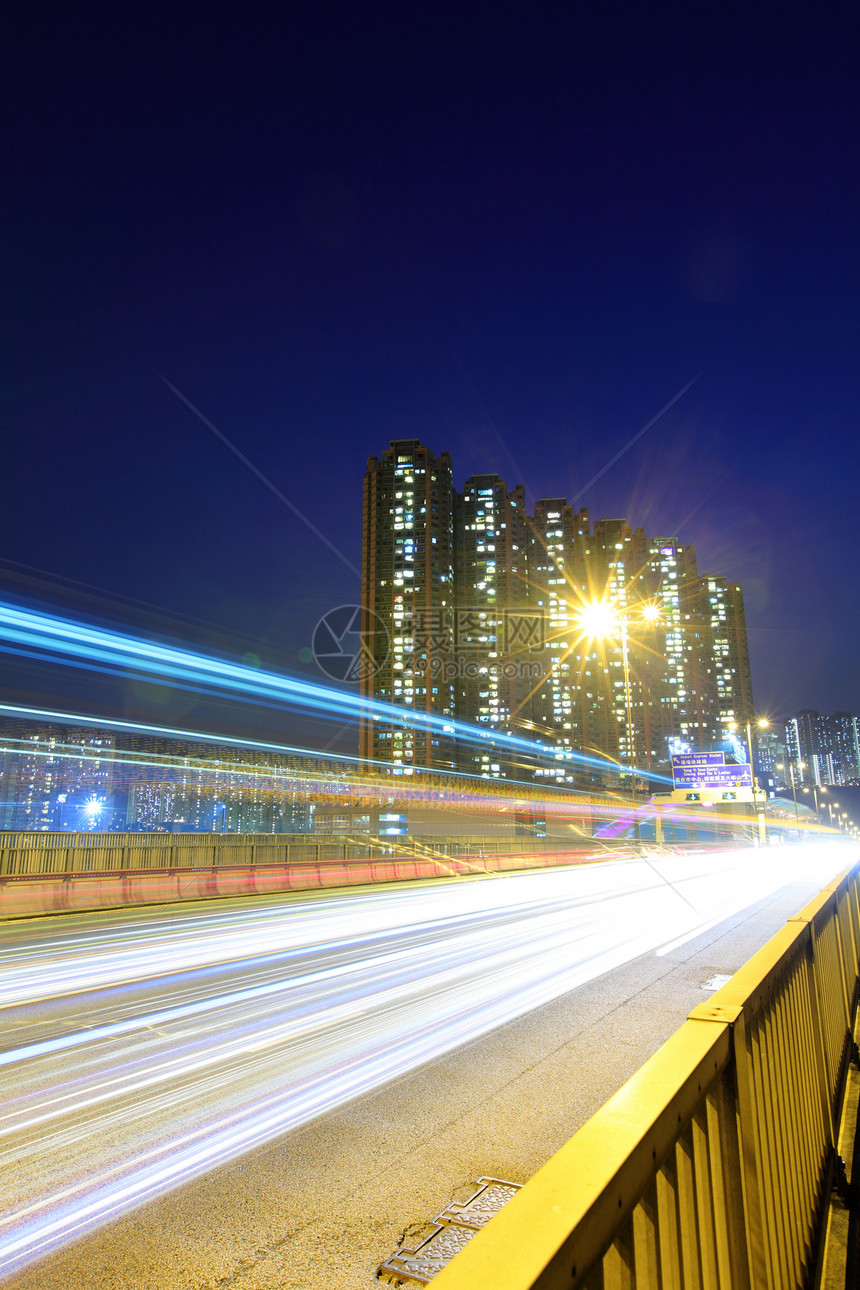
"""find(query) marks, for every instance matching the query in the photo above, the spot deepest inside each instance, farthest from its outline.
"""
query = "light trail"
(37, 634)
(338, 777)
(142, 1050)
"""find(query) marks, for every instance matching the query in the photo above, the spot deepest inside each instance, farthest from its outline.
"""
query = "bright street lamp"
(815, 789)
(599, 619)
(761, 724)
(602, 619)
(93, 809)
(781, 766)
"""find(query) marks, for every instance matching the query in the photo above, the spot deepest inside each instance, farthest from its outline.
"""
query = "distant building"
(678, 660)
(771, 756)
(57, 777)
(502, 593)
(558, 712)
(78, 779)
(844, 738)
(824, 750)
(726, 651)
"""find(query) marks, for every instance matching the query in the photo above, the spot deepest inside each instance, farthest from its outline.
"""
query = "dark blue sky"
(512, 231)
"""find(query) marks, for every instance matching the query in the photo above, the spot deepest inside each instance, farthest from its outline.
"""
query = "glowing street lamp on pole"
(603, 620)
(801, 766)
(761, 724)
(815, 790)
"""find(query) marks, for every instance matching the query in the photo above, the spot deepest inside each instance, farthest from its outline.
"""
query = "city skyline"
(520, 249)
(516, 497)
(428, 620)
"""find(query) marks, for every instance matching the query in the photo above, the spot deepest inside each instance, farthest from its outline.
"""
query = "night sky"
(512, 231)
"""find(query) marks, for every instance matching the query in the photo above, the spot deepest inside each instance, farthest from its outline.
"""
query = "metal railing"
(713, 1166)
(36, 854)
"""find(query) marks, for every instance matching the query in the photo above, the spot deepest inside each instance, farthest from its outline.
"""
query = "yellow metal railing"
(713, 1166)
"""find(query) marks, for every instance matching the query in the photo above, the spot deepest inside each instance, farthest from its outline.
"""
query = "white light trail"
(143, 1050)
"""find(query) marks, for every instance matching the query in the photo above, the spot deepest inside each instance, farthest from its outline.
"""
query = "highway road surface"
(266, 1092)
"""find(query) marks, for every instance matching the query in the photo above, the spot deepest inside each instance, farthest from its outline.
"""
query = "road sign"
(689, 761)
(712, 777)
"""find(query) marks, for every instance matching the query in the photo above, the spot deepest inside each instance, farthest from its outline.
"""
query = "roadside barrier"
(713, 1165)
(31, 853)
(45, 873)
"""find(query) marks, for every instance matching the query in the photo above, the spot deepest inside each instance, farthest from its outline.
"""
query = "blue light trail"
(44, 636)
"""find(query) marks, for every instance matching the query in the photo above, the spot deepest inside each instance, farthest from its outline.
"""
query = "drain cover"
(420, 1258)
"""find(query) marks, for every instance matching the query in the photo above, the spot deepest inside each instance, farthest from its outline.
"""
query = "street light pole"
(814, 790)
(781, 766)
(761, 816)
(601, 620)
(631, 738)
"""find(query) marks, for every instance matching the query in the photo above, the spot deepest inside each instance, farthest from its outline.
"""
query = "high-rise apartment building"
(665, 698)
(490, 620)
(823, 750)
(725, 649)
(844, 735)
(769, 752)
(592, 701)
(806, 739)
(680, 709)
(506, 593)
(553, 709)
(407, 598)
(33, 775)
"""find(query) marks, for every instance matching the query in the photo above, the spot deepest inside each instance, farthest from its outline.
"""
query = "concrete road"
(281, 1088)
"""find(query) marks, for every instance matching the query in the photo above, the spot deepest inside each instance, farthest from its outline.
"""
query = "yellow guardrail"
(713, 1165)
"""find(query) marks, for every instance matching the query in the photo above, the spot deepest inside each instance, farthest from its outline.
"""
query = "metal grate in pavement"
(418, 1259)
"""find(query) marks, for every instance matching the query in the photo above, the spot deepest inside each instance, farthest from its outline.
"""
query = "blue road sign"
(690, 761)
(713, 776)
